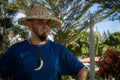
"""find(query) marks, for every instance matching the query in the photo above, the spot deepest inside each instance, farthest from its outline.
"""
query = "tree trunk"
(92, 54)
(4, 45)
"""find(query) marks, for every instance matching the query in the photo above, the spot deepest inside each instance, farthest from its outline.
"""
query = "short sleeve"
(69, 63)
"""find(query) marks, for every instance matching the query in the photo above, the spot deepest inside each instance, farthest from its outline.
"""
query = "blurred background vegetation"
(74, 33)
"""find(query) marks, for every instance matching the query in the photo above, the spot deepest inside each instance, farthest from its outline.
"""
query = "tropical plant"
(75, 17)
(81, 46)
(7, 28)
(109, 65)
(114, 41)
(5, 23)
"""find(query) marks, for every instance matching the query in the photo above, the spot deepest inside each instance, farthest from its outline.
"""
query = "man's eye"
(39, 22)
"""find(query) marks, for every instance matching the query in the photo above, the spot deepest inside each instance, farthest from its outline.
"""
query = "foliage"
(75, 16)
(114, 41)
(7, 28)
(109, 65)
(6, 22)
(110, 5)
(81, 46)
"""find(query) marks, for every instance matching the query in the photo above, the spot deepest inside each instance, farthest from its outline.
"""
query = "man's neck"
(37, 41)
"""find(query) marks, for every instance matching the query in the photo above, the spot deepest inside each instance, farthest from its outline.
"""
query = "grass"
(110, 77)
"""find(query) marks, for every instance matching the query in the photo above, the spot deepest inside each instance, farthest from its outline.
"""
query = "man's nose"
(46, 27)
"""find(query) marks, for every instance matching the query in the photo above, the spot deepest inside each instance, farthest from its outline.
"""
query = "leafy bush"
(109, 65)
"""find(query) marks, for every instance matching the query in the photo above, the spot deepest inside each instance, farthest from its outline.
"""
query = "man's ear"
(29, 24)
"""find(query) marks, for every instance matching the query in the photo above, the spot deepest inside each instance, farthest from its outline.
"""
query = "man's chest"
(32, 61)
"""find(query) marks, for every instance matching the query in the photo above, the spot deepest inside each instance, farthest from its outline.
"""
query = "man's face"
(40, 28)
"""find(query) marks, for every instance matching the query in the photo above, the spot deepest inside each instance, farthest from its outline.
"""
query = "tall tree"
(112, 5)
(5, 22)
(74, 14)
(7, 12)
(92, 50)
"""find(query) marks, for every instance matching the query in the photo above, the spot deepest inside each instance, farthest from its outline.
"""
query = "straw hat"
(38, 11)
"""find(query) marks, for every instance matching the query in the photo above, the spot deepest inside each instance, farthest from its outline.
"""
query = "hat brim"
(53, 22)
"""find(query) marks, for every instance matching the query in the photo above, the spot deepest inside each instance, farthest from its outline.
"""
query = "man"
(38, 58)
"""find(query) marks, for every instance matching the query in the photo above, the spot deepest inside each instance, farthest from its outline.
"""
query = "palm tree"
(74, 15)
(92, 50)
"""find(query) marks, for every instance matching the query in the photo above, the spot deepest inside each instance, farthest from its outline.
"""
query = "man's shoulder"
(56, 45)
(15, 48)
(19, 44)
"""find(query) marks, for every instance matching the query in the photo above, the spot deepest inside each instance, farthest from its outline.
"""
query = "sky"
(105, 25)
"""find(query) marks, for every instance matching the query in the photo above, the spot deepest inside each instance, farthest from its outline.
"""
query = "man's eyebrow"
(40, 20)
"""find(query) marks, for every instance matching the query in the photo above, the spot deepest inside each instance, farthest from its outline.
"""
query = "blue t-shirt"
(22, 58)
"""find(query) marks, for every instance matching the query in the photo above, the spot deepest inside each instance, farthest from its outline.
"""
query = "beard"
(42, 37)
